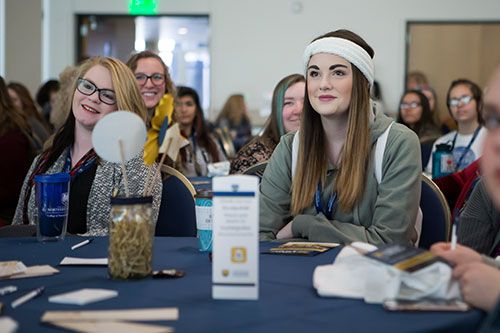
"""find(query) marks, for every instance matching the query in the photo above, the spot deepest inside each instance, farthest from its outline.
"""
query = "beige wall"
(446, 52)
(23, 44)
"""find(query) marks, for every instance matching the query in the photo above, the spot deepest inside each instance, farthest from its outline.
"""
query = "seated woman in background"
(464, 100)
(158, 92)
(15, 152)
(430, 93)
(415, 112)
(194, 159)
(21, 98)
(103, 85)
(325, 183)
(234, 117)
(45, 97)
(287, 103)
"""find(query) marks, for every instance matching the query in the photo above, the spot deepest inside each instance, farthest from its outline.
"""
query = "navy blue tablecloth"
(287, 303)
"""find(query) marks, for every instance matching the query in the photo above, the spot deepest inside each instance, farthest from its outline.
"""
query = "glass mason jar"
(131, 234)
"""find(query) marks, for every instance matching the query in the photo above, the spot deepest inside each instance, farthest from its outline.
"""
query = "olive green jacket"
(386, 212)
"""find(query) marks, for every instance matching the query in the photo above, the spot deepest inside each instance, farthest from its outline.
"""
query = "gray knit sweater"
(479, 226)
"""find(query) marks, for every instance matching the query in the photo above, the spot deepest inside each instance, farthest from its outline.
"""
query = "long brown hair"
(234, 110)
(272, 127)
(28, 104)
(312, 162)
(10, 117)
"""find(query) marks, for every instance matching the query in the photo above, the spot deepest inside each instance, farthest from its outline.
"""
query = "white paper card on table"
(235, 267)
(111, 326)
(8, 325)
(35, 271)
(83, 296)
(84, 261)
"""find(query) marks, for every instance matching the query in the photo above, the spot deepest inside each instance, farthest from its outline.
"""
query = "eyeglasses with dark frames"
(464, 100)
(156, 78)
(86, 87)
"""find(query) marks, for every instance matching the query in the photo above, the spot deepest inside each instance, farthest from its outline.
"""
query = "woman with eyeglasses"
(103, 85)
(464, 100)
(415, 113)
(158, 92)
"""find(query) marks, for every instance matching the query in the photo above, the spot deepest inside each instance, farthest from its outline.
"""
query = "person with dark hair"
(103, 85)
(286, 107)
(158, 92)
(464, 100)
(202, 149)
(22, 99)
(15, 151)
(350, 173)
(45, 97)
(415, 112)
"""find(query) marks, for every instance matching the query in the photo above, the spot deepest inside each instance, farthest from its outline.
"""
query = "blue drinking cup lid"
(62, 177)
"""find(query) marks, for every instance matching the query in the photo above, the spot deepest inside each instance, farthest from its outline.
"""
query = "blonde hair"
(312, 162)
(128, 96)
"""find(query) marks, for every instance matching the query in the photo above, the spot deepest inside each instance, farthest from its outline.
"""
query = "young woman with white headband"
(322, 184)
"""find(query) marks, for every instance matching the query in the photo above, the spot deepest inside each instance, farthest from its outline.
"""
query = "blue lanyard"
(85, 163)
(331, 203)
(476, 132)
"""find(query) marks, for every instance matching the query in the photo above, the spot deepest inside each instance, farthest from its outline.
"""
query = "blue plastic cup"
(204, 220)
(52, 201)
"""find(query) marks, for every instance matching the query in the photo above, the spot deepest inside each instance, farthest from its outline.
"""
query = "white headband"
(346, 49)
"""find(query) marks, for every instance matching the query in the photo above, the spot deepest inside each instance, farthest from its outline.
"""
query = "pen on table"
(27, 297)
(454, 237)
(85, 242)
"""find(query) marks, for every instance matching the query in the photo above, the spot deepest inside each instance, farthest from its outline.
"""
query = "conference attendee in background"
(62, 102)
(464, 100)
(415, 113)
(322, 184)
(286, 107)
(103, 85)
(415, 80)
(15, 152)
(41, 130)
(158, 92)
(203, 149)
(45, 97)
(234, 118)
(431, 95)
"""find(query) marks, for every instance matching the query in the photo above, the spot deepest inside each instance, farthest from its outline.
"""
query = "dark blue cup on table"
(52, 200)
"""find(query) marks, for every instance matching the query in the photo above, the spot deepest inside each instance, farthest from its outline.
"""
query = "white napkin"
(353, 275)
(83, 296)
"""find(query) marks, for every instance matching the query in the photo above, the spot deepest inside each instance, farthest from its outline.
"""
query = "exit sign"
(142, 7)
